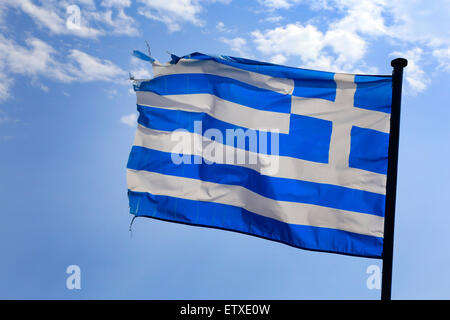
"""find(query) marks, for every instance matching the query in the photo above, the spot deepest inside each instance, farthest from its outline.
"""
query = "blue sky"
(67, 123)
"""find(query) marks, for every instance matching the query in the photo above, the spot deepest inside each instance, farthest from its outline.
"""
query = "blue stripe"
(210, 214)
(309, 138)
(315, 88)
(307, 83)
(225, 88)
(275, 188)
(373, 93)
(369, 150)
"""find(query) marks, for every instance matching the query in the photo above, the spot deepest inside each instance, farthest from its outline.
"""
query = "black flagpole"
(391, 185)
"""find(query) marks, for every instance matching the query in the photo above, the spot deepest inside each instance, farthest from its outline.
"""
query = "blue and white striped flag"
(292, 155)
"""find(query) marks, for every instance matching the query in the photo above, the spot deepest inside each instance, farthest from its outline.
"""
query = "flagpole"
(391, 185)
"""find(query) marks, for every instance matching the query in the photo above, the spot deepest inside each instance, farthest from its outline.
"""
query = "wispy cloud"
(272, 19)
(38, 59)
(416, 78)
(292, 39)
(238, 45)
(443, 57)
(115, 17)
(220, 26)
(129, 120)
(77, 19)
(52, 16)
(279, 4)
(172, 12)
(85, 67)
(140, 69)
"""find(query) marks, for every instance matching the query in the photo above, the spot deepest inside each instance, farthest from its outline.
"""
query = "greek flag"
(292, 155)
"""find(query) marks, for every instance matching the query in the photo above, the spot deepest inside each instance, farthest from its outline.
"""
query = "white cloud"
(5, 84)
(401, 19)
(443, 57)
(311, 46)
(53, 17)
(120, 23)
(220, 26)
(89, 3)
(129, 120)
(140, 69)
(362, 16)
(41, 15)
(421, 20)
(348, 46)
(416, 78)
(68, 18)
(116, 3)
(293, 39)
(345, 42)
(39, 59)
(279, 4)
(238, 45)
(341, 47)
(56, 16)
(272, 19)
(141, 73)
(31, 60)
(172, 12)
(226, 2)
(88, 68)
(34, 81)
(278, 59)
(323, 62)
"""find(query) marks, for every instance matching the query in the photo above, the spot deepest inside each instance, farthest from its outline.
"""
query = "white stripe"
(218, 108)
(288, 212)
(288, 167)
(338, 155)
(329, 110)
(281, 85)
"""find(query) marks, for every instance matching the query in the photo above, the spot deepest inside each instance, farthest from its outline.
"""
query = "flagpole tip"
(399, 63)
